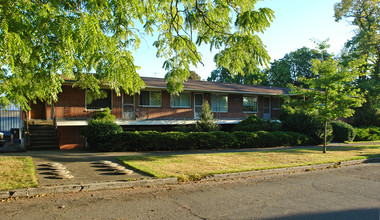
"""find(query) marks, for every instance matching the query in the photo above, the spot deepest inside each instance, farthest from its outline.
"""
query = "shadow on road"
(367, 214)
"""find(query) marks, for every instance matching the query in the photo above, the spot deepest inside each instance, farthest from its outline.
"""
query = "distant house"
(155, 106)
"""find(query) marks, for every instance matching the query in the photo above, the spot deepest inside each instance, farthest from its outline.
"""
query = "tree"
(330, 94)
(206, 119)
(251, 77)
(194, 76)
(293, 66)
(91, 42)
(364, 46)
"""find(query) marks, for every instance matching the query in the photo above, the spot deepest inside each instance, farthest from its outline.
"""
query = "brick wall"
(71, 104)
(69, 138)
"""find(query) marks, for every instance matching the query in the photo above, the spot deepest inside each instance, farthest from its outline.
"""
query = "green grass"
(195, 166)
(17, 172)
(358, 142)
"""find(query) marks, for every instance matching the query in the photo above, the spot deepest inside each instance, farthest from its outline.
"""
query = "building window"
(276, 103)
(182, 100)
(150, 98)
(99, 101)
(219, 103)
(250, 104)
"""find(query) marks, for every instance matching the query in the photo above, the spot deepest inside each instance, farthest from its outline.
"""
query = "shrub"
(366, 116)
(104, 115)
(270, 139)
(206, 119)
(310, 125)
(367, 134)
(156, 141)
(342, 131)
(185, 128)
(223, 140)
(253, 123)
(99, 131)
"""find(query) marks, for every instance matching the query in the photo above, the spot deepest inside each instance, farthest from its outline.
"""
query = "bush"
(98, 132)
(253, 123)
(157, 141)
(185, 128)
(206, 120)
(342, 131)
(310, 125)
(367, 134)
(104, 115)
(269, 139)
(366, 116)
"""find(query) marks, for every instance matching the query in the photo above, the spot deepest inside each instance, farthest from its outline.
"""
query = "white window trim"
(257, 106)
(99, 109)
(150, 92)
(219, 94)
(171, 106)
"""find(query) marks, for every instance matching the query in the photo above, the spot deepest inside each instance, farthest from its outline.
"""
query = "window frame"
(218, 95)
(98, 109)
(257, 103)
(150, 99)
(180, 100)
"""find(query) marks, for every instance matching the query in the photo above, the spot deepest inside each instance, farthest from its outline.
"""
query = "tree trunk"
(325, 138)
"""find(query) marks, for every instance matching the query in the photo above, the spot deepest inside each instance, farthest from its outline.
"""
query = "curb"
(28, 192)
(85, 187)
(288, 170)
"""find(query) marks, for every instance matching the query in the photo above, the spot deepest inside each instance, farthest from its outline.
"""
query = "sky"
(296, 24)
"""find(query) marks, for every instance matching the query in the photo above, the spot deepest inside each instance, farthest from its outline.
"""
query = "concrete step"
(42, 134)
(43, 142)
(44, 147)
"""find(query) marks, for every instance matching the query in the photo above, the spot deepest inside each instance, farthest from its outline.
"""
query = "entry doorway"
(198, 102)
(128, 106)
(266, 108)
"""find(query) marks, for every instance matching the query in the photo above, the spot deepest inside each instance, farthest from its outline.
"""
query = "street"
(343, 193)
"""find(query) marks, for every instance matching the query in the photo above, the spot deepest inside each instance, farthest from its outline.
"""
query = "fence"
(9, 118)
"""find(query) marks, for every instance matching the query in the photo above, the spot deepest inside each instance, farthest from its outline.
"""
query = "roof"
(206, 86)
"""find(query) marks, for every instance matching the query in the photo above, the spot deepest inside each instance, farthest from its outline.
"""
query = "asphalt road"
(342, 193)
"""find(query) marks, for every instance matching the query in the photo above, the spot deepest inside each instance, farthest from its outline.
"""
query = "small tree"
(206, 119)
(330, 94)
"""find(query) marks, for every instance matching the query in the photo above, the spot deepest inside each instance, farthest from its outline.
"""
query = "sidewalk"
(90, 176)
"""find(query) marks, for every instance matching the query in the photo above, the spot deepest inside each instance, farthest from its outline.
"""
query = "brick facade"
(71, 105)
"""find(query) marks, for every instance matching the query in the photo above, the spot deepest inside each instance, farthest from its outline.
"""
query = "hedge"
(342, 131)
(253, 123)
(172, 141)
(367, 134)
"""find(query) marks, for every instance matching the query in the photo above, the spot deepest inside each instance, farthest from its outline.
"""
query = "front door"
(266, 108)
(128, 106)
(198, 102)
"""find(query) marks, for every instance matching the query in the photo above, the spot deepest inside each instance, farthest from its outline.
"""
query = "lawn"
(195, 166)
(17, 172)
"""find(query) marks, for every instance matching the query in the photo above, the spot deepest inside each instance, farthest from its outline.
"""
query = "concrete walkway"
(82, 164)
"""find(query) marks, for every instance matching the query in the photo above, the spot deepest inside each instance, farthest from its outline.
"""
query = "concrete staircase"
(43, 135)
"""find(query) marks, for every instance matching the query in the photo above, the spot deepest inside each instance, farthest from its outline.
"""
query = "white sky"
(296, 23)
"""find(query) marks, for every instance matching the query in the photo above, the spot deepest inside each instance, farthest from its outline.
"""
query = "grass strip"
(196, 166)
(17, 172)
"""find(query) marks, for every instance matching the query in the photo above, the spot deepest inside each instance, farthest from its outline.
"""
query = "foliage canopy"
(92, 42)
(330, 94)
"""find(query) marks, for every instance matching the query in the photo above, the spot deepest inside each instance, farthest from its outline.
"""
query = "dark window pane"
(94, 101)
